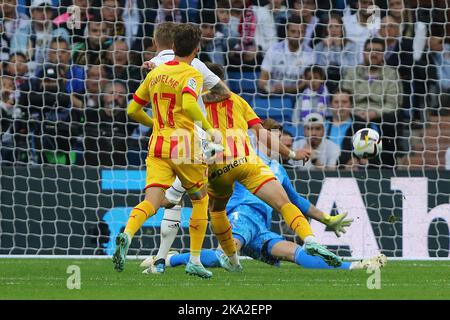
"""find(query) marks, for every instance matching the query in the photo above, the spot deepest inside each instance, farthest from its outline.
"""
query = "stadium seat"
(279, 108)
(243, 81)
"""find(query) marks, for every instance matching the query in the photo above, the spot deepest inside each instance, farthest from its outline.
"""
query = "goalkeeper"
(251, 219)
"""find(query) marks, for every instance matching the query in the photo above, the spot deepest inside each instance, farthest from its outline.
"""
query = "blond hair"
(163, 34)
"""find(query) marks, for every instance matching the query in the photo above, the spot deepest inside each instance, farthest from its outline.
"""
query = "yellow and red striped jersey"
(233, 117)
(173, 133)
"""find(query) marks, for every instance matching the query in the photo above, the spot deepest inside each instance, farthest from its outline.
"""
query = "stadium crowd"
(334, 66)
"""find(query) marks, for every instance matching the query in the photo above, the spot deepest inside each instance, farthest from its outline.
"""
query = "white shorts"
(175, 192)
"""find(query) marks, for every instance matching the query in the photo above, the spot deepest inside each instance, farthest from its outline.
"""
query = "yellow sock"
(222, 229)
(198, 224)
(296, 220)
(138, 216)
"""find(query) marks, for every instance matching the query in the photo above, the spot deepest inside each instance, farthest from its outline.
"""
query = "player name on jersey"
(167, 80)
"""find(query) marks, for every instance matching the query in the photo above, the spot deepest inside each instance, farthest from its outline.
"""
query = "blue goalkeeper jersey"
(241, 196)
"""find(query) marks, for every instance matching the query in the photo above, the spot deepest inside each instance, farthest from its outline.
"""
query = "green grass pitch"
(46, 279)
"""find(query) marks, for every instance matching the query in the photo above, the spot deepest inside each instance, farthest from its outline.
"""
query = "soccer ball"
(366, 144)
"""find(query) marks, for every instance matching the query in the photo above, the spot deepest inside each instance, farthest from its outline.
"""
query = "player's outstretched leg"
(273, 194)
(294, 253)
(138, 216)
(315, 249)
(209, 258)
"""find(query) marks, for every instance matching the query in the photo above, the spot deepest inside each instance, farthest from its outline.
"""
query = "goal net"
(72, 164)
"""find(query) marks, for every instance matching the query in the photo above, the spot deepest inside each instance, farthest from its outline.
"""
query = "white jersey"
(286, 66)
(209, 78)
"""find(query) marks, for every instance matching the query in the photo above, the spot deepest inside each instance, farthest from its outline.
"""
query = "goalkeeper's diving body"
(233, 117)
(251, 220)
(173, 89)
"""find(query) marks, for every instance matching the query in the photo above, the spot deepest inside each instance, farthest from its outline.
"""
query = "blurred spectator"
(223, 32)
(17, 67)
(13, 143)
(169, 10)
(76, 27)
(131, 19)
(96, 79)
(51, 105)
(314, 98)
(305, 10)
(237, 8)
(88, 51)
(285, 62)
(107, 128)
(34, 35)
(62, 81)
(342, 126)
(335, 51)
(377, 91)
(442, 60)
(223, 17)
(409, 27)
(59, 66)
(10, 21)
(399, 54)
(246, 51)
(136, 16)
(268, 19)
(374, 85)
(119, 67)
(211, 47)
(356, 25)
(324, 152)
(111, 13)
(148, 51)
(399, 50)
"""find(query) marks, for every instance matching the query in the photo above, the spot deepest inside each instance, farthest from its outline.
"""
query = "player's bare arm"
(266, 137)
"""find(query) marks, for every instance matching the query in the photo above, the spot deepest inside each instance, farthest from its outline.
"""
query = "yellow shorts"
(249, 171)
(162, 172)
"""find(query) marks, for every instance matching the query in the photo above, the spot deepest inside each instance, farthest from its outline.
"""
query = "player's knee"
(198, 194)
(167, 204)
(202, 202)
(172, 197)
(218, 204)
(279, 202)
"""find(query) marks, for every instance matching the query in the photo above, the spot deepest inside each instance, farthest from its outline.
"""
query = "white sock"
(310, 239)
(195, 259)
(234, 259)
(169, 229)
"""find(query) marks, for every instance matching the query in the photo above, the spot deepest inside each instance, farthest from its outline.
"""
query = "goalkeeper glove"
(336, 223)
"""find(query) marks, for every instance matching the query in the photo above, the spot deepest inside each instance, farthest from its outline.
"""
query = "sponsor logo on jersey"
(236, 163)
